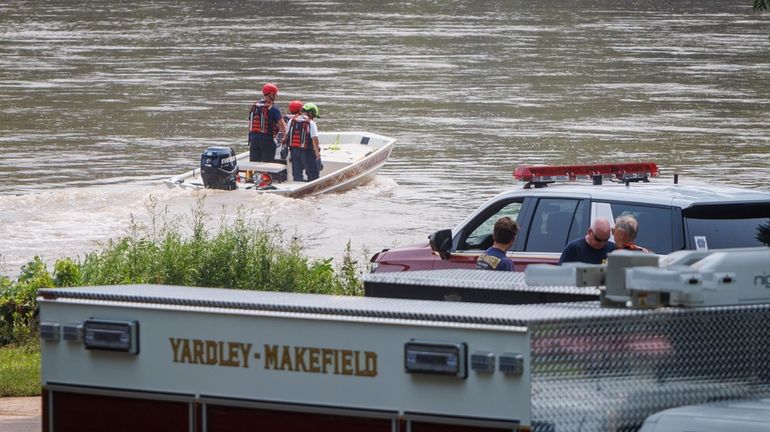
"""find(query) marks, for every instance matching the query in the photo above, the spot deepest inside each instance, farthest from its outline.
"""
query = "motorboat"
(348, 159)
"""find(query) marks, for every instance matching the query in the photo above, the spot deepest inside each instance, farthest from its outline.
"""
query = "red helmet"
(295, 106)
(269, 88)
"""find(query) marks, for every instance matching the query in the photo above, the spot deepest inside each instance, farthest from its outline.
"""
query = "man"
(295, 107)
(591, 249)
(265, 121)
(624, 233)
(302, 139)
(503, 235)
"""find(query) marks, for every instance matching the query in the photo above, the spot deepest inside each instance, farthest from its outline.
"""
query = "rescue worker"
(302, 139)
(265, 121)
(591, 249)
(295, 107)
(503, 236)
(624, 232)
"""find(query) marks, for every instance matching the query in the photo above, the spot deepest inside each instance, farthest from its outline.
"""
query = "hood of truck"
(418, 256)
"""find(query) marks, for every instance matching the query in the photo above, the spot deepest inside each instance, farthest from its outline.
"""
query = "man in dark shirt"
(591, 249)
(503, 235)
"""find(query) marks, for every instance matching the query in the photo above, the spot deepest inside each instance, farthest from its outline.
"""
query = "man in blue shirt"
(503, 235)
(593, 248)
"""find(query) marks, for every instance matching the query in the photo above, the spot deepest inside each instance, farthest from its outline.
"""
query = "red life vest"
(259, 118)
(298, 135)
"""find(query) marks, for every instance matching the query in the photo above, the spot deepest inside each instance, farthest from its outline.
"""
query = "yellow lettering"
(211, 352)
(232, 354)
(327, 354)
(271, 356)
(175, 344)
(286, 358)
(197, 351)
(186, 354)
(299, 359)
(370, 360)
(314, 360)
(246, 351)
(336, 362)
(347, 362)
(221, 353)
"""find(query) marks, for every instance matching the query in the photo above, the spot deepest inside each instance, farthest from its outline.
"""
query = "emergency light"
(552, 173)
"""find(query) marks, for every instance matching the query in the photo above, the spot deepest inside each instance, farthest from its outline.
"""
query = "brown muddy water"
(100, 102)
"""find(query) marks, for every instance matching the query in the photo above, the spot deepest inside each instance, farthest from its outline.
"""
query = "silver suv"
(551, 212)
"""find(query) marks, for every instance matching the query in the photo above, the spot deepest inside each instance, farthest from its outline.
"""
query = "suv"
(550, 213)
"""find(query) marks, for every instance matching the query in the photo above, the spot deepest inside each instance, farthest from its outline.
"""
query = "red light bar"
(544, 173)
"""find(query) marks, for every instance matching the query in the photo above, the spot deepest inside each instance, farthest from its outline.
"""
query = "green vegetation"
(19, 371)
(240, 254)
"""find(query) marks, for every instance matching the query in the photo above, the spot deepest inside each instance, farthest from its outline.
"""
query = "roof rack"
(541, 175)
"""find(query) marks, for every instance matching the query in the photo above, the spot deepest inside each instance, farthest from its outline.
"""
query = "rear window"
(728, 226)
(727, 233)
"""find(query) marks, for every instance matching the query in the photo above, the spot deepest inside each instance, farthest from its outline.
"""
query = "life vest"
(259, 118)
(634, 247)
(298, 135)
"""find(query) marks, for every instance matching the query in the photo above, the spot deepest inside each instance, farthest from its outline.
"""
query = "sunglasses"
(600, 240)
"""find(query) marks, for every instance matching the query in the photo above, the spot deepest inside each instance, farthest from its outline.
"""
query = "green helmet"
(311, 107)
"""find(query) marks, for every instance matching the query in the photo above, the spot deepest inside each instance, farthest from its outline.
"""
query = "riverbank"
(20, 414)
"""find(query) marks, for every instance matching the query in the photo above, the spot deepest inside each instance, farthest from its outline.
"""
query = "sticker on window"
(701, 243)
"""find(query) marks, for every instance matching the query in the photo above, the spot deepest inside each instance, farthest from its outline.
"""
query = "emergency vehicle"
(556, 204)
(689, 330)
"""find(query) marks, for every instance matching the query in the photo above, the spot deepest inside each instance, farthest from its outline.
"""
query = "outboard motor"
(219, 168)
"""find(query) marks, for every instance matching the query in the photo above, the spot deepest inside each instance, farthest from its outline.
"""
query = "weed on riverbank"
(239, 253)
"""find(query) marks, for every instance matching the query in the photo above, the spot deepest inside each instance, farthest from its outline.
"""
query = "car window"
(654, 230)
(481, 236)
(551, 224)
(581, 221)
(728, 233)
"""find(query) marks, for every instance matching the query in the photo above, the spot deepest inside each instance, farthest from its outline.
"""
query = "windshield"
(481, 237)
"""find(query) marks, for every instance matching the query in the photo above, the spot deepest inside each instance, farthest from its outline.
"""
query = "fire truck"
(585, 348)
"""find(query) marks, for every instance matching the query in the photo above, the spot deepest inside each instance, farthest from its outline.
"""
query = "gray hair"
(628, 225)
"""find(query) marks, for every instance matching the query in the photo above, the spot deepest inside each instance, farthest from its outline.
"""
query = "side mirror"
(441, 242)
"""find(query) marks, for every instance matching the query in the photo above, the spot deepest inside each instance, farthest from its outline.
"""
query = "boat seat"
(269, 167)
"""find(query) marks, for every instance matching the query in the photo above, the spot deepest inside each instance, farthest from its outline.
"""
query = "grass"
(19, 371)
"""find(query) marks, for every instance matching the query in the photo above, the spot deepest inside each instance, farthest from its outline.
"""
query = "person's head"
(312, 110)
(598, 233)
(270, 91)
(625, 230)
(505, 231)
(295, 106)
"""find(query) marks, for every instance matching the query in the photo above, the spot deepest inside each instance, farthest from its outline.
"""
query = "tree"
(760, 5)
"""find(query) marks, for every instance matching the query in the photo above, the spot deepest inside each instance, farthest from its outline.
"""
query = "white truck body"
(206, 359)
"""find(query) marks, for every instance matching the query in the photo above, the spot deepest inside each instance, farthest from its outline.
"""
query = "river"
(101, 101)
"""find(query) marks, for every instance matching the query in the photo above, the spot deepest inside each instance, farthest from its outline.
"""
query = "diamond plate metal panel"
(609, 373)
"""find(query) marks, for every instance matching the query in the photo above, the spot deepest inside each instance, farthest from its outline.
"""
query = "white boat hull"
(350, 159)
